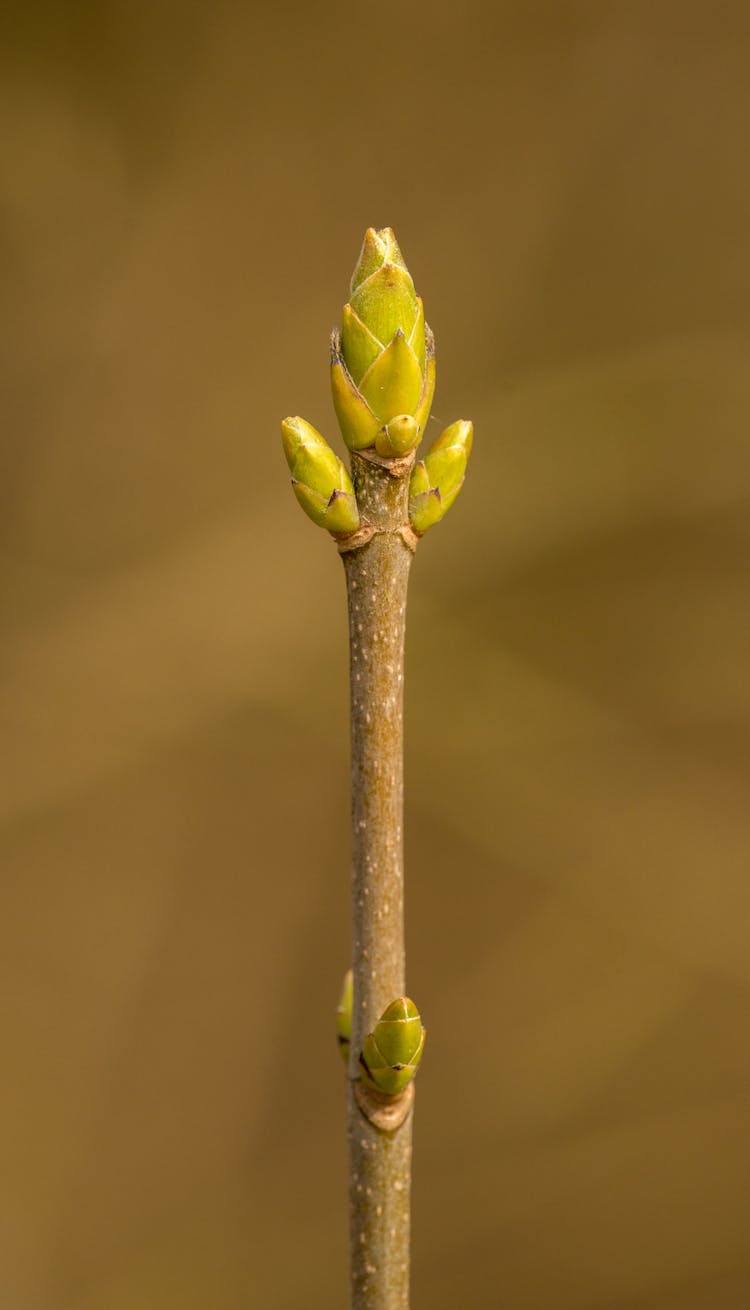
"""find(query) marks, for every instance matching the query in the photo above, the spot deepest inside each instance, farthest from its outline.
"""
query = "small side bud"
(398, 437)
(437, 479)
(393, 1050)
(319, 479)
(344, 1016)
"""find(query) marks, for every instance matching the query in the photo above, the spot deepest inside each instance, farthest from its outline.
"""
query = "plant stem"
(377, 574)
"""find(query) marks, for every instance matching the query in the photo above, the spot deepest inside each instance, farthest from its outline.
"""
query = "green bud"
(344, 1015)
(437, 479)
(394, 1048)
(319, 479)
(398, 437)
(378, 248)
(382, 361)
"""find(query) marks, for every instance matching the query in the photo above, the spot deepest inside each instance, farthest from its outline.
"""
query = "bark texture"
(380, 1162)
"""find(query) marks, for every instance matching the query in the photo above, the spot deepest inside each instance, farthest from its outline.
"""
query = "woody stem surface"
(379, 1162)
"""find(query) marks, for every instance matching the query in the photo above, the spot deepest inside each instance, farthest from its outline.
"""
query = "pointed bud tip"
(379, 247)
(402, 1008)
(296, 432)
(384, 240)
(290, 438)
(458, 435)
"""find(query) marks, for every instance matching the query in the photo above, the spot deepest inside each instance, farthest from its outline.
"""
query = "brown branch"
(377, 575)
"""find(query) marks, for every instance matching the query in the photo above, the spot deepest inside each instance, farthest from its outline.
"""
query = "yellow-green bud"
(344, 1016)
(394, 1048)
(437, 479)
(398, 437)
(383, 360)
(319, 479)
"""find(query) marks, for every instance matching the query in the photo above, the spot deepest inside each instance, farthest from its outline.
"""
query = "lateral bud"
(319, 479)
(398, 437)
(437, 479)
(344, 1016)
(393, 1050)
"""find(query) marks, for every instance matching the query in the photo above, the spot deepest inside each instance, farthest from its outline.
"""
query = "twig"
(383, 377)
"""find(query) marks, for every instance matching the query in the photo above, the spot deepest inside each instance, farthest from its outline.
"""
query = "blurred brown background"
(184, 191)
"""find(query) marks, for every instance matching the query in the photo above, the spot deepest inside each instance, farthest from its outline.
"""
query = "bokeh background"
(184, 191)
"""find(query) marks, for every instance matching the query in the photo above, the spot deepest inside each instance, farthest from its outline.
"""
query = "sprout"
(383, 360)
(394, 1048)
